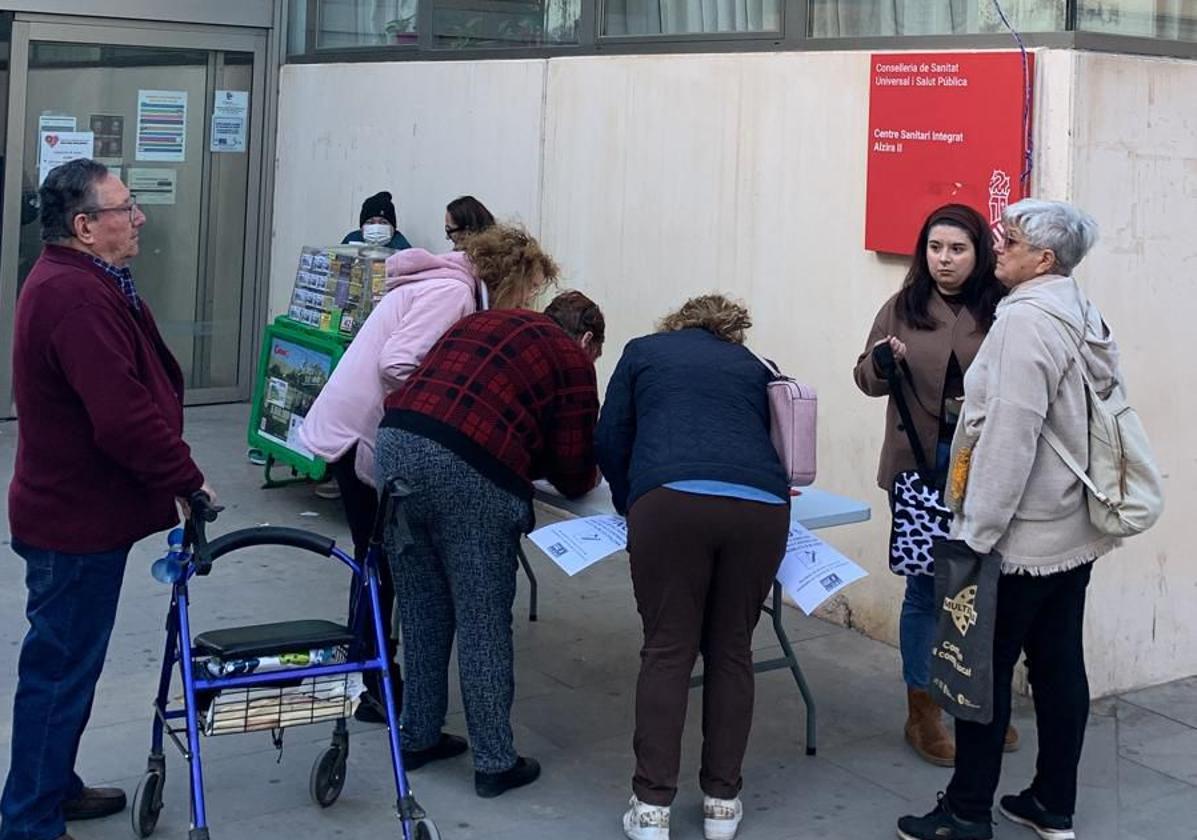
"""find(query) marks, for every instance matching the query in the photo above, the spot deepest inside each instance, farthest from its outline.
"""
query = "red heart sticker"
(51, 140)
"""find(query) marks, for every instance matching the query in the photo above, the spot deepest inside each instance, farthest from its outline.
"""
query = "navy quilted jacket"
(682, 406)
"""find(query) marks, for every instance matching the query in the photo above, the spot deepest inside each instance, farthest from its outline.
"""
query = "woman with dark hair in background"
(465, 216)
(934, 323)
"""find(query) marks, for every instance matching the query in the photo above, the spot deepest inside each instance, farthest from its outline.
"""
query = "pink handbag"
(793, 412)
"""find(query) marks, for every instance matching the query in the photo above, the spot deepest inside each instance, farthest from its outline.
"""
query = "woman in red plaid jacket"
(504, 398)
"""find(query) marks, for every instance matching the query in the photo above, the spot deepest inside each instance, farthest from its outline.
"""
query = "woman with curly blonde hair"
(501, 268)
(683, 440)
(511, 263)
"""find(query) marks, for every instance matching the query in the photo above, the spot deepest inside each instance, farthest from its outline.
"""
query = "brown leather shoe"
(1012, 742)
(94, 803)
(925, 730)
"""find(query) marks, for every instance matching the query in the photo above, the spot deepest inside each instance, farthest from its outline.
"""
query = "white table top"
(813, 508)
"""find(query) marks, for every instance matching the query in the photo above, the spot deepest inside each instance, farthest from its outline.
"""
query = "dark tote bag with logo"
(966, 589)
(918, 515)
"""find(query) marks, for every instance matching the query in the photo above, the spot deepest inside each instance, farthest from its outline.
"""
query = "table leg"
(792, 661)
(519, 551)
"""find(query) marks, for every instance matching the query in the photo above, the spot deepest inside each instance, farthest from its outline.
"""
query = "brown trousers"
(701, 568)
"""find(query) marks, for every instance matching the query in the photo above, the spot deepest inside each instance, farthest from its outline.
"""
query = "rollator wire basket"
(270, 677)
(292, 702)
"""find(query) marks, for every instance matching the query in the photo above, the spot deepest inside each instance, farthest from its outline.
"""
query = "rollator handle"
(202, 512)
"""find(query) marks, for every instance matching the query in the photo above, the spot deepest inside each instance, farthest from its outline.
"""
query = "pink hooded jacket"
(427, 294)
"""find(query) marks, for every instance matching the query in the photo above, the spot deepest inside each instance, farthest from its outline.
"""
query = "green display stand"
(295, 364)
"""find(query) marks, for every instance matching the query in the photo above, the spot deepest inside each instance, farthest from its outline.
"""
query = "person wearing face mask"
(378, 225)
(934, 324)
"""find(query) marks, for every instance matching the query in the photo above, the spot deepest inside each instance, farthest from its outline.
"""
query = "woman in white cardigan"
(1022, 503)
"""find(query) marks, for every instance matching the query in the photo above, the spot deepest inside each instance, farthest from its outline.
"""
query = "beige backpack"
(1125, 488)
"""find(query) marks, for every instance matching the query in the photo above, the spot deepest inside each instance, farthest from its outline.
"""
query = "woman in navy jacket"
(683, 440)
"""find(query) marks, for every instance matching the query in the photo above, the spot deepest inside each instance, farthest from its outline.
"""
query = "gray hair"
(1067, 232)
(69, 189)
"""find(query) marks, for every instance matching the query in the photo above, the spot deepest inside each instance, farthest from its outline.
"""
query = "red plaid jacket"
(511, 394)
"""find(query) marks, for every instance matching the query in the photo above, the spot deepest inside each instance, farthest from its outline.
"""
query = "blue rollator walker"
(215, 703)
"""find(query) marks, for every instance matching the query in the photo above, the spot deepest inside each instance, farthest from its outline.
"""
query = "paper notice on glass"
(230, 116)
(55, 148)
(812, 571)
(56, 122)
(576, 544)
(153, 186)
(162, 125)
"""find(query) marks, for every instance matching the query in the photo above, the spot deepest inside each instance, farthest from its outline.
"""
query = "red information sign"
(943, 127)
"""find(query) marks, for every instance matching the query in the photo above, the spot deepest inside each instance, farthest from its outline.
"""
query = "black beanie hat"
(378, 204)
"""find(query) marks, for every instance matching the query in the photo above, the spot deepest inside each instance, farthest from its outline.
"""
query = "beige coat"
(927, 353)
(1010, 490)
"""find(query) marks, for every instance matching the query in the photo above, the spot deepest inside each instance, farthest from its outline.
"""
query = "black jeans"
(1044, 616)
(361, 506)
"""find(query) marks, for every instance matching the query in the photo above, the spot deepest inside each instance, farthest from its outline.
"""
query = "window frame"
(791, 38)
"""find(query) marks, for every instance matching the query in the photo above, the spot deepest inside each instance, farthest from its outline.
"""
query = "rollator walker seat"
(270, 639)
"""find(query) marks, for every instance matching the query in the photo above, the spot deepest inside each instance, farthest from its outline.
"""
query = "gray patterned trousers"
(457, 578)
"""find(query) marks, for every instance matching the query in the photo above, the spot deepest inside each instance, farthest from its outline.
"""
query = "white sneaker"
(721, 817)
(646, 822)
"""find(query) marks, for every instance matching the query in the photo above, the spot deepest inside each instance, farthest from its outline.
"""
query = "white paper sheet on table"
(576, 544)
(812, 571)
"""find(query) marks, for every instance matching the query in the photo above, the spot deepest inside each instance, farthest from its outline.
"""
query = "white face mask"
(377, 234)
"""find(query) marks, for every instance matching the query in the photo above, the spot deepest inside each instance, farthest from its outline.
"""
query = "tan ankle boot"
(925, 730)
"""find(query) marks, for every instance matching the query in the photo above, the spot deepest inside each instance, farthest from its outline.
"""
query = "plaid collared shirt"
(124, 281)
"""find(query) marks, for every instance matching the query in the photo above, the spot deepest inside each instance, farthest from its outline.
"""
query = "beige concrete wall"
(652, 178)
(1135, 169)
(425, 132)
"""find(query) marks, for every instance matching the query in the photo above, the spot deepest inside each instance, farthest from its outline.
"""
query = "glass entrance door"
(177, 115)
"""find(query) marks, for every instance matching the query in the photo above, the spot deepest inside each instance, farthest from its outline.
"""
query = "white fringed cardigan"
(1009, 489)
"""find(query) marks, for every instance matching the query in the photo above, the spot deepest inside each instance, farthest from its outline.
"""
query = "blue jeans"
(71, 609)
(916, 630)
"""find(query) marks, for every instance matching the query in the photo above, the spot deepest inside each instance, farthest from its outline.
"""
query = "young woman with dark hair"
(464, 216)
(935, 323)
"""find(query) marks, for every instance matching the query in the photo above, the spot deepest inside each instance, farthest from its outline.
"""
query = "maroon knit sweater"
(512, 395)
(100, 457)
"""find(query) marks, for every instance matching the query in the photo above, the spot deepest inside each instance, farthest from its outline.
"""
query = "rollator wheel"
(328, 777)
(426, 830)
(147, 803)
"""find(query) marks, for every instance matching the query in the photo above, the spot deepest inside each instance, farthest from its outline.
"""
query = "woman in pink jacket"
(427, 294)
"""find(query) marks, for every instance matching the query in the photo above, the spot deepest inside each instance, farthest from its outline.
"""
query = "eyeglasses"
(131, 208)
(449, 231)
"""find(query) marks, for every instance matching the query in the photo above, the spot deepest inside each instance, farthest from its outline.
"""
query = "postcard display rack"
(335, 289)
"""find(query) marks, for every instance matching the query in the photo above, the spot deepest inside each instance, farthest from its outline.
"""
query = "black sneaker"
(1025, 810)
(449, 746)
(942, 824)
(370, 708)
(489, 785)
